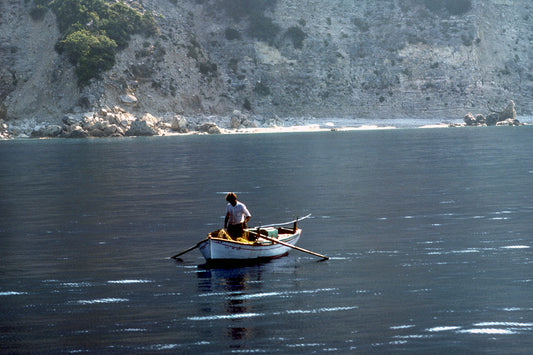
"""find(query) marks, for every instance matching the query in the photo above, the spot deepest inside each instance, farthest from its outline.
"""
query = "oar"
(282, 224)
(294, 247)
(186, 251)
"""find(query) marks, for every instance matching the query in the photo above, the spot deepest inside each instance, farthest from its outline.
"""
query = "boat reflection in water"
(233, 294)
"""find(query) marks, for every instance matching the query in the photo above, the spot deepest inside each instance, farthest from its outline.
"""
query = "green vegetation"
(93, 30)
(38, 12)
(260, 26)
(297, 36)
(263, 28)
(91, 53)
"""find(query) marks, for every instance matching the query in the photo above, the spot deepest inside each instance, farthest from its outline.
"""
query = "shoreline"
(32, 129)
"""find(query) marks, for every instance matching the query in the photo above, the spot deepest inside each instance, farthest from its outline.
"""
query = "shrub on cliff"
(260, 26)
(93, 30)
(91, 53)
(263, 28)
(38, 12)
(297, 36)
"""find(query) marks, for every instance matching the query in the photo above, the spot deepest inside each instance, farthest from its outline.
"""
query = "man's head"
(231, 198)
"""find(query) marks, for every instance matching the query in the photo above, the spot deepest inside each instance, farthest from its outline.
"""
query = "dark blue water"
(429, 231)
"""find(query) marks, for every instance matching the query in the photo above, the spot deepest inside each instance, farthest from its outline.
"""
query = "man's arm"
(246, 221)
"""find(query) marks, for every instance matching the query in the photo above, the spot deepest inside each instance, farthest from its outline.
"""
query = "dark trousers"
(235, 230)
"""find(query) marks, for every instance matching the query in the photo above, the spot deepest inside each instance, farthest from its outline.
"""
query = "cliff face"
(316, 58)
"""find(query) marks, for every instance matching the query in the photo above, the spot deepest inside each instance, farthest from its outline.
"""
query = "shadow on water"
(233, 291)
(235, 264)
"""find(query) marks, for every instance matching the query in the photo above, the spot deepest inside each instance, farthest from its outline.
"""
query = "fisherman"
(237, 215)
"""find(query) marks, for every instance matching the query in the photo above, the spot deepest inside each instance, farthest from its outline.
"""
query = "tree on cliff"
(92, 53)
(93, 30)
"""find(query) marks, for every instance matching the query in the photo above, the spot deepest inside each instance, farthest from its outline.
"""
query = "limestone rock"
(71, 119)
(492, 119)
(210, 128)
(480, 119)
(509, 122)
(470, 120)
(128, 99)
(149, 119)
(508, 112)
(113, 131)
(507, 117)
(237, 119)
(4, 133)
(49, 131)
(179, 124)
(140, 127)
(74, 131)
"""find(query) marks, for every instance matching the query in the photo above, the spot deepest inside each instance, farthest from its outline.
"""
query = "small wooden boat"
(269, 243)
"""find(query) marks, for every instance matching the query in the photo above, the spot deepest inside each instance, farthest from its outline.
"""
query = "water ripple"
(129, 281)
(487, 331)
(12, 293)
(442, 329)
(102, 300)
(266, 294)
(226, 316)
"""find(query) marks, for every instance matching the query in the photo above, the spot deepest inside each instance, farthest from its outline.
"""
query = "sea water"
(429, 232)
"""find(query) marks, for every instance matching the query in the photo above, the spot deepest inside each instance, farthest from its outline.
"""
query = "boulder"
(140, 127)
(49, 131)
(470, 120)
(507, 116)
(492, 119)
(125, 119)
(179, 124)
(71, 119)
(128, 99)
(150, 119)
(480, 119)
(118, 109)
(210, 128)
(113, 131)
(508, 112)
(74, 131)
(4, 133)
(96, 133)
(509, 122)
(239, 119)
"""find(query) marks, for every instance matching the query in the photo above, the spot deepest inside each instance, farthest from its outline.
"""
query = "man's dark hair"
(231, 197)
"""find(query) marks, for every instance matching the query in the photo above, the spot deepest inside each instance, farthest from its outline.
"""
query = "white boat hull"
(223, 249)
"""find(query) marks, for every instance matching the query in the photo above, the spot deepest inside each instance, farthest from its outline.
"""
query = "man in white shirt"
(237, 215)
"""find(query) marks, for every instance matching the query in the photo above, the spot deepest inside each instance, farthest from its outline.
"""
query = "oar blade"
(176, 257)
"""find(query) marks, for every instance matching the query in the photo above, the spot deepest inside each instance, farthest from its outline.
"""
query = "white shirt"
(237, 214)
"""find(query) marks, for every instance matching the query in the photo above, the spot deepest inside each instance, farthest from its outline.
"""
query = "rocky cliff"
(289, 58)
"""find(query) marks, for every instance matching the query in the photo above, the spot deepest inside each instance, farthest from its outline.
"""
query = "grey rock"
(140, 128)
(179, 124)
(210, 128)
